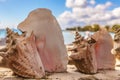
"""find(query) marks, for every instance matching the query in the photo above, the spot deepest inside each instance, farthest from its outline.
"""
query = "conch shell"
(116, 47)
(83, 54)
(21, 55)
(49, 39)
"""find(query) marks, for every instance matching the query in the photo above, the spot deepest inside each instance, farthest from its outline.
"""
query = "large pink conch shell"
(49, 39)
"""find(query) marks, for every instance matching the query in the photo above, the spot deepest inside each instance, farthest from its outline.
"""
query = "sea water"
(3, 32)
(70, 35)
(67, 35)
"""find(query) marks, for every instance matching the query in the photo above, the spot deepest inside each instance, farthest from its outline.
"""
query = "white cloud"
(103, 6)
(76, 3)
(92, 2)
(88, 12)
(113, 21)
(108, 4)
(69, 3)
(116, 12)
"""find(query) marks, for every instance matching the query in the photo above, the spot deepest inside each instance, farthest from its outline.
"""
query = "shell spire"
(78, 38)
(82, 55)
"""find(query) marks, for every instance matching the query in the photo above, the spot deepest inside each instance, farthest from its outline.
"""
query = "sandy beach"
(60, 40)
(70, 74)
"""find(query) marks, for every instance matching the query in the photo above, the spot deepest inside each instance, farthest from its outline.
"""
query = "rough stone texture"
(49, 39)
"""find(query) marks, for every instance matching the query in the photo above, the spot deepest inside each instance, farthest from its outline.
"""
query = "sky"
(68, 12)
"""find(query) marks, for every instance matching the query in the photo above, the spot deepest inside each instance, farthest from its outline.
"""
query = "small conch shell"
(116, 47)
(22, 56)
(83, 54)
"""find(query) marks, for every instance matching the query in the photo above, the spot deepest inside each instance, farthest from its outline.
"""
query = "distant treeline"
(94, 28)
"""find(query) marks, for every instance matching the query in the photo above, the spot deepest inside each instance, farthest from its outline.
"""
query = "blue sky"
(12, 12)
(67, 12)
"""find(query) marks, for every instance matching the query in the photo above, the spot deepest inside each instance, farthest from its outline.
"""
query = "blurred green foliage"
(94, 27)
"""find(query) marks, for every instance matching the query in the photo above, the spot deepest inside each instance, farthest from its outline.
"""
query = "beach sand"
(70, 74)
